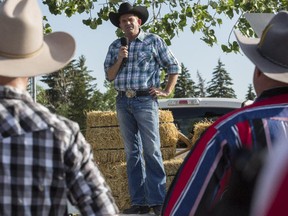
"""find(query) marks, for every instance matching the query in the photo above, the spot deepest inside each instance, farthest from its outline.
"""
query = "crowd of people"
(238, 165)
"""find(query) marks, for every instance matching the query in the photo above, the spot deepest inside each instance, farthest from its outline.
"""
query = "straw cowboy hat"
(126, 8)
(270, 52)
(24, 51)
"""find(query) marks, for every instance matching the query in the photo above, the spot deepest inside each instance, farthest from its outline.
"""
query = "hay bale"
(122, 202)
(118, 155)
(110, 138)
(105, 138)
(199, 128)
(165, 116)
(116, 177)
(168, 152)
(109, 118)
(172, 166)
(168, 134)
(101, 118)
(104, 135)
(103, 130)
(109, 155)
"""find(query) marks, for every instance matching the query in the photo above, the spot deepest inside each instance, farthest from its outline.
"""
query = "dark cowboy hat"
(126, 8)
(270, 52)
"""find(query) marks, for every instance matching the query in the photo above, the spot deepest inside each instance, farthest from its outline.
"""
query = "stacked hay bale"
(199, 128)
(103, 134)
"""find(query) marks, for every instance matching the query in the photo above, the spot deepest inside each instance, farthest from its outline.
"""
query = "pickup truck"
(188, 111)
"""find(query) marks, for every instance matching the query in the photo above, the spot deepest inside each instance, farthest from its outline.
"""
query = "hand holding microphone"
(124, 42)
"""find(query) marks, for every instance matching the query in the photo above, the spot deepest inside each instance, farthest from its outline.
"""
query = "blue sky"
(187, 47)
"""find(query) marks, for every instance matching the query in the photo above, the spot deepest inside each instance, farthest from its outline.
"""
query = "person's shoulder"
(152, 37)
(115, 43)
(55, 121)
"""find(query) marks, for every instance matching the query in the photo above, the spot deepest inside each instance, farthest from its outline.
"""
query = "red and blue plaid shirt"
(44, 161)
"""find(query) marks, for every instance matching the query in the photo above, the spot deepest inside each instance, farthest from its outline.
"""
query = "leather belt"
(132, 93)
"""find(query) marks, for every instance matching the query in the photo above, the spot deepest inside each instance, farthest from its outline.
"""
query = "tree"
(168, 18)
(70, 91)
(185, 85)
(80, 92)
(250, 93)
(58, 88)
(41, 96)
(109, 97)
(220, 83)
(200, 89)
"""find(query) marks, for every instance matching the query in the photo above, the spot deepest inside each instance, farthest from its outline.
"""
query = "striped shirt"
(147, 55)
(202, 178)
(44, 161)
(270, 197)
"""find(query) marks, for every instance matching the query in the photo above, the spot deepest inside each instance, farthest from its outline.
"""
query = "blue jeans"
(139, 125)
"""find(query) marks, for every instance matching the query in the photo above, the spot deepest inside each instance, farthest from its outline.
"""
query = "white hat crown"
(21, 28)
(24, 50)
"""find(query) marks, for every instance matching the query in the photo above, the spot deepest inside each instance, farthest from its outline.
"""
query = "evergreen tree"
(250, 93)
(58, 88)
(200, 89)
(80, 92)
(70, 91)
(185, 85)
(96, 101)
(220, 85)
(41, 96)
(109, 97)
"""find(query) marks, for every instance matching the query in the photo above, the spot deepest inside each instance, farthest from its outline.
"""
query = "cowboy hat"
(126, 8)
(270, 52)
(24, 51)
(258, 21)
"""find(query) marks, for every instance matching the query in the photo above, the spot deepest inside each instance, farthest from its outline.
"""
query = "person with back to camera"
(203, 178)
(44, 159)
(134, 65)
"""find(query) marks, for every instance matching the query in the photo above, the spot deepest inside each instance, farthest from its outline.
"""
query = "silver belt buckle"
(130, 93)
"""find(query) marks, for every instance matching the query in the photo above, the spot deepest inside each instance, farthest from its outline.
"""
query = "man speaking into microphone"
(135, 68)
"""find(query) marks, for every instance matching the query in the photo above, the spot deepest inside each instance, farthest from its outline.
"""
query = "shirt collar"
(141, 35)
(272, 92)
(8, 92)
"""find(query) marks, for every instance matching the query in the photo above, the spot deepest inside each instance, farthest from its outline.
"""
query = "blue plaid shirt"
(44, 159)
(147, 55)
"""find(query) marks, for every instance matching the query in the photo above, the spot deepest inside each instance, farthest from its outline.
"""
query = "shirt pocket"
(145, 59)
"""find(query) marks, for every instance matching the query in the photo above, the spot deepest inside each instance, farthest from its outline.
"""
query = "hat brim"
(140, 11)
(270, 69)
(258, 21)
(57, 50)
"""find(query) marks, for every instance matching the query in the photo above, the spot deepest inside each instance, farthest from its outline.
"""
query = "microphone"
(124, 42)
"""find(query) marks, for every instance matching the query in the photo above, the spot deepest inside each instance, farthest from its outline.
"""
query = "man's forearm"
(172, 80)
(113, 70)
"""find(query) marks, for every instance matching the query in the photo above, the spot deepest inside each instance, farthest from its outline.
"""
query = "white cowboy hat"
(270, 52)
(24, 51)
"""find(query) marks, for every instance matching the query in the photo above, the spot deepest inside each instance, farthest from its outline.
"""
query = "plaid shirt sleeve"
(88, 190)
(165, 57)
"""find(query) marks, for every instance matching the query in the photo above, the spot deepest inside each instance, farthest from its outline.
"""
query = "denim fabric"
(139, 125)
